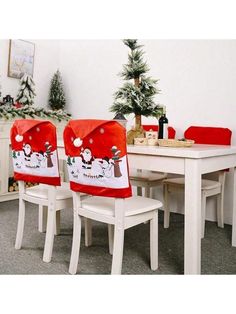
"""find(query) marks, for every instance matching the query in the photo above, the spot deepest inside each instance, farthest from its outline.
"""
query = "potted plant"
(136, 96)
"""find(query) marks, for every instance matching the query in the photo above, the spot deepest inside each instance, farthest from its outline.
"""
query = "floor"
(218, 257)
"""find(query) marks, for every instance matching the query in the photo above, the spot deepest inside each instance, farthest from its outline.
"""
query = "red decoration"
(18, 105)
(171, 131)
(209, 135)
(34, 147)
(97, 157)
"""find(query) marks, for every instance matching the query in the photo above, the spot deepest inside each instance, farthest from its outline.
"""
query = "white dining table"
(192, 162)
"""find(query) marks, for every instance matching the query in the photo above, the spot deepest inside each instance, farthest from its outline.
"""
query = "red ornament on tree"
(18, 105)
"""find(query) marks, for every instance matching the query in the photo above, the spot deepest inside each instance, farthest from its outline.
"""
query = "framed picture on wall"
(21, 58)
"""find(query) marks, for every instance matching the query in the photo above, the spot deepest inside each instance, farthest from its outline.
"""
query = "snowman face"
(104, 164)
(40, 156)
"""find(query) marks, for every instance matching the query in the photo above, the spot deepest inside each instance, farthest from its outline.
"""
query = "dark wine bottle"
(163, 126)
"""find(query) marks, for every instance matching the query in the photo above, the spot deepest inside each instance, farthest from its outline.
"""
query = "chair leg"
(154, 241)
(58, 223)
(117, 250)
(147, 194)
(74, 259)
(139, 191)
(220, 210)
(88, 231)
(42, 223)
(47, 254)
(110, 238)
(203, 209)
(147, 191)
(166, 206)
(20, 225)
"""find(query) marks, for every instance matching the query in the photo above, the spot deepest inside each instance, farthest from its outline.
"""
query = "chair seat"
(145, 175)
(41, 191)
(206, 184)
(133, 205)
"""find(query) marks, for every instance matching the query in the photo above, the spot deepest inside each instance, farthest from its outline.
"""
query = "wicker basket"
(175, 143)
(140, 141)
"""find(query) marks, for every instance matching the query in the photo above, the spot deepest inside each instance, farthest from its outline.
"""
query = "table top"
(196, 151)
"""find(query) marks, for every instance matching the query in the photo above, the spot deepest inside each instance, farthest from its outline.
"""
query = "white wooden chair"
(149, 179)
(27, 138)
(146, 179)
(111, 202)
(49, 197)
(202, 135)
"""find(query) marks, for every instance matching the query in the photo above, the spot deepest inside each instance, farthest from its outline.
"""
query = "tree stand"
(137, 131)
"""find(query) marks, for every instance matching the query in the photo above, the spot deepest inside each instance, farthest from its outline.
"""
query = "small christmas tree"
(57, 98)
(26, 92)
(138, 96)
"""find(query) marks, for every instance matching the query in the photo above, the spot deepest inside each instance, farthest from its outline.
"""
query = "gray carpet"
(218, 257)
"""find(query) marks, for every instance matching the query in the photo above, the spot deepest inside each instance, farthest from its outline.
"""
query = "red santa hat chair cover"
(34, 151)
(97, 157)
(209, 135)
(153, 127)
(34, 158)
(97, 165)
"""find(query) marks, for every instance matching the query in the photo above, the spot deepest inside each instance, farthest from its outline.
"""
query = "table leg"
(234, 210)
(192, 226)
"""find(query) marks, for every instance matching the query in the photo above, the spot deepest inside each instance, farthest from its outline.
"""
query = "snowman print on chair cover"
(95, 168)
(30, 159)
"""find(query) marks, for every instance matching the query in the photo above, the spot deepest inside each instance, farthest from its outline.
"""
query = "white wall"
(89, 69)
(197, 79)
(46, 63)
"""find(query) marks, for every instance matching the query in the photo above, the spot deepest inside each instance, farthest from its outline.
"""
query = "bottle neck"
(164, 111)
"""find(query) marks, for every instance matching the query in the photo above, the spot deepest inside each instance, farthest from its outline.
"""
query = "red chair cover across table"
(171, 130)
(209, 135)
(97, 158)
(34, 159)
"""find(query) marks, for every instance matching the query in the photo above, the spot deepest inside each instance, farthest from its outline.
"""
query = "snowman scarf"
(97, 157)
(34, 151)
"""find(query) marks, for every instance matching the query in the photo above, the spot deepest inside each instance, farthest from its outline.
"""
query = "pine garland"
(8, 112)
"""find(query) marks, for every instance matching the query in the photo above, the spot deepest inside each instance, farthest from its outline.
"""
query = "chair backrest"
(34, 151)
(97, 158)
(171, 130)
(209, 135)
